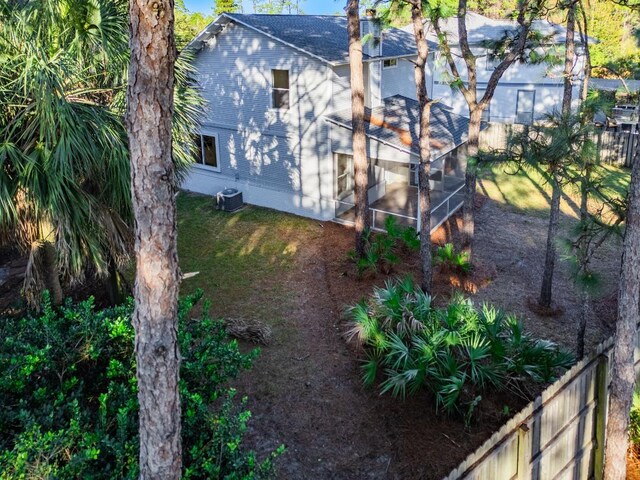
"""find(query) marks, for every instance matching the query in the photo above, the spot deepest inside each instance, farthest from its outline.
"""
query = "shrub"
(457, 352)
(381, 249)
(68, 399)
(448, 259)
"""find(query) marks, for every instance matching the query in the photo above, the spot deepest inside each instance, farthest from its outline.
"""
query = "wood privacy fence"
(560, 435)
(614, 148)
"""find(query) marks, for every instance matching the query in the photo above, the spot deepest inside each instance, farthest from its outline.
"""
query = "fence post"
(602, 390)
(524, 467)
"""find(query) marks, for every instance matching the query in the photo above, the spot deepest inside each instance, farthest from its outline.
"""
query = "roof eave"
(373, 137)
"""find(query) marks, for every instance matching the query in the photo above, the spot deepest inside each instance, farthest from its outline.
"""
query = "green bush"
(457, 352)
(448, 259)
(381, 249)
(68, 399)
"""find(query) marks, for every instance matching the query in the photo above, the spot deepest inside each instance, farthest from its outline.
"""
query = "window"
(280, 94)
(344, 175)
(524, 106)
(207, 153)
(491, 60)
(390, 63)
(486, 113)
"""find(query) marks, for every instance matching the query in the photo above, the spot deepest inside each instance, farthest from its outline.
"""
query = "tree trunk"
(584, 37)
(468, 228)
(424, 198)
(114, 284)
(149, 119)
(582, 324)
(550, 258)
(568, 58)
(51, 272)
(623, 377)
(360, 163)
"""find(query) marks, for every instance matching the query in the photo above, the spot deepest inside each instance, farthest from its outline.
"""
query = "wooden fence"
(560, 435)
(614, 148)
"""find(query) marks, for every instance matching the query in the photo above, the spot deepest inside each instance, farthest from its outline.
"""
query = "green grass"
(528, 192)
(242, 257)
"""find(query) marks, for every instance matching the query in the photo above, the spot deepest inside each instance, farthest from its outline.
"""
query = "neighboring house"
(278, 119)
(526, 92)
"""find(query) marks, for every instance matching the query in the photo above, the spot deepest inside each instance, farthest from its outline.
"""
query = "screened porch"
(393, 190)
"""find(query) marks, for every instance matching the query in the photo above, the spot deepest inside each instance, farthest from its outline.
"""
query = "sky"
(327, 7)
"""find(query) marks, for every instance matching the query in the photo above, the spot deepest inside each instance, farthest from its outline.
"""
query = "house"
(278, 122)
(526, 92)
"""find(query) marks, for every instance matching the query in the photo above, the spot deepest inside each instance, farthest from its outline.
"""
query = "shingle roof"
(481, 28)
(323, 36)
(398, 114)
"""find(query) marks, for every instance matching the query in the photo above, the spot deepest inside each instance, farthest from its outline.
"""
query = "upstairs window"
(390, 63)
(207, 151)
(280, 93)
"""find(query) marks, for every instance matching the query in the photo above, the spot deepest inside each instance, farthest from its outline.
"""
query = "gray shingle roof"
(402, 114)
(481, 28)
(324, 36)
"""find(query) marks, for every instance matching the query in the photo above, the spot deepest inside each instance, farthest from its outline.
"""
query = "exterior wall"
(399, 80)
(278, 158)
(544, 80)
(504, 102)
(380, 83)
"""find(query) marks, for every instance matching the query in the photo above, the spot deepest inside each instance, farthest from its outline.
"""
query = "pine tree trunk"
(569, 58)
(623, 377)
(468, 228)
(360, 162)
(550, 258)
(582, 324)
(424, 173)
(149, 119)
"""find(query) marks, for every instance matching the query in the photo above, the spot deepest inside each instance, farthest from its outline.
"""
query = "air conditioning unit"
(229, 200)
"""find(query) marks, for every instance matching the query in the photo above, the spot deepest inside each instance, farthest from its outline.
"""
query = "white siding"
(399, 80)
(544, 80)
(267, 153)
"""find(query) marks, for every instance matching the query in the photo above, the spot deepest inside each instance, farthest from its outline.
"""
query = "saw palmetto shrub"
(68, 400)
(459, 352)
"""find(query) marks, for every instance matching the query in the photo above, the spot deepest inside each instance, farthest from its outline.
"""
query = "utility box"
(229, 200)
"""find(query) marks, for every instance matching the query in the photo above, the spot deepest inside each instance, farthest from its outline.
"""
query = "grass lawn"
(237, 253)
(528, 192)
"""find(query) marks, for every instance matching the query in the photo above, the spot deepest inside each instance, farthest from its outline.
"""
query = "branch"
(446, 50)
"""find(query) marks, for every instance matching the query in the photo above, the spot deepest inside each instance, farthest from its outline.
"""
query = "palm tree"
(64, 163)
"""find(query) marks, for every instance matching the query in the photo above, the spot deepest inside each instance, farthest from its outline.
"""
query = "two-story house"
(526, 92)
(278, 122)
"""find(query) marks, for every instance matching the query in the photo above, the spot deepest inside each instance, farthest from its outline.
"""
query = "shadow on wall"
(285, 150)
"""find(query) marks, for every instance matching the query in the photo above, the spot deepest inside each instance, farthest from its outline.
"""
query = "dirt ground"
(305, 389)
